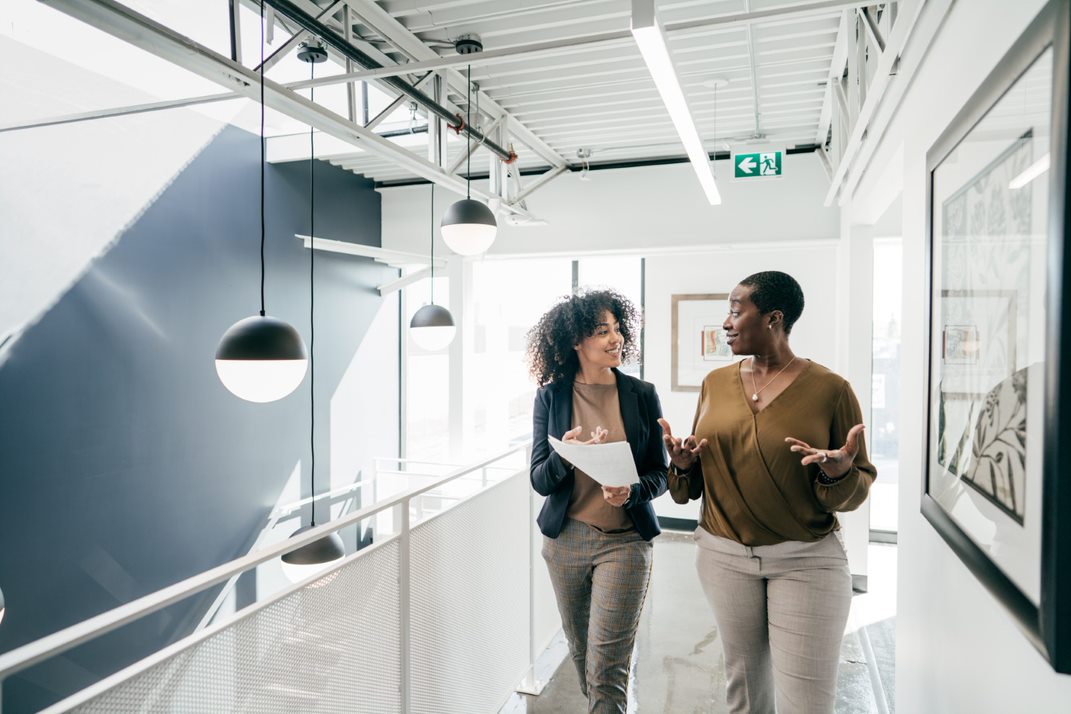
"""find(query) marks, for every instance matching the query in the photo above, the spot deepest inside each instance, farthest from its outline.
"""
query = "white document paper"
(609, 464)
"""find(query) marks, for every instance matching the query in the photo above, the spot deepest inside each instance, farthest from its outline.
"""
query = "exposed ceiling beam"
(297, 14)
(753, 72)
(122, 22)
(541, 181)
(730, 21)
(384, 23)
(836, 71)
(898, 37)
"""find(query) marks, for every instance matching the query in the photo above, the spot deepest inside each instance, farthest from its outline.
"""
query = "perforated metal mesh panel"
(546, 620)
(331, 646)
(469, 637)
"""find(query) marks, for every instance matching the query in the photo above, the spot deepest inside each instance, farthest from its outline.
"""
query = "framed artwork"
(978, 340)
(1000, 325)
(698, 341)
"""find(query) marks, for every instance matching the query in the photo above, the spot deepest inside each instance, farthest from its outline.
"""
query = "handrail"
(288, 509)
(49, 646)
(277, 514)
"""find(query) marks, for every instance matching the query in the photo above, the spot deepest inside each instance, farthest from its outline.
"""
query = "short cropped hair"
(773, 290)
(551, 357)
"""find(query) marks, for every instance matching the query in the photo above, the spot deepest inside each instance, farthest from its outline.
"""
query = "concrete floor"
(678, 667)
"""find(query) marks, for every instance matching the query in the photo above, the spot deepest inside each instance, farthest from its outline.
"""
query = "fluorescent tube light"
(1030, 173)
(649, 38)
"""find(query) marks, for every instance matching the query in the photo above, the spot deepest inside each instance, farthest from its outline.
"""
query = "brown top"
(757, 492)
(597, 405)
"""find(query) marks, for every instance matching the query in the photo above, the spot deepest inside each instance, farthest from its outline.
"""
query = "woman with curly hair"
(598, 538)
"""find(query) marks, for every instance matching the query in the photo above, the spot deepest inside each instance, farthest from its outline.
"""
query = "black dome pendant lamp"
(469, 226)
(432, 327)
(309, 559)
(261, 358)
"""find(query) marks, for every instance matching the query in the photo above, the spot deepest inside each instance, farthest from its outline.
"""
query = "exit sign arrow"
(763, 163)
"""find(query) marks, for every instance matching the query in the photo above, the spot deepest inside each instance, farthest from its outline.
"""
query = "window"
(884, 441)
(427, 382)
(509, 296)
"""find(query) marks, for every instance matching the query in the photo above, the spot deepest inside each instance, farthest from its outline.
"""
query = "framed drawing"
(698, 340)
(1000, 336)
(978, 340)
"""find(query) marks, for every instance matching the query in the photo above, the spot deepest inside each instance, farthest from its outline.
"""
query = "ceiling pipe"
(307, 22)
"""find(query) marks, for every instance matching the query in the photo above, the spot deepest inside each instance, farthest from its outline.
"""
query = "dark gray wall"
(125, 465)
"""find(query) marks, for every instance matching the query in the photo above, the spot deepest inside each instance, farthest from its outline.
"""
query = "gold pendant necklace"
(755, 394)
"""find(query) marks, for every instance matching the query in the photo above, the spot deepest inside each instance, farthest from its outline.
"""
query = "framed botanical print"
(999, 376)
(698, 339)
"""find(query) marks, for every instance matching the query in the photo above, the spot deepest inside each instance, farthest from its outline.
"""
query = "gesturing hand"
(682, 452)
(597, 436)
(834, 462)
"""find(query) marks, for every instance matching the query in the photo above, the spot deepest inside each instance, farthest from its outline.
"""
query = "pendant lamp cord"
(468, 134)
(312, 322)
(432, 242)
(262, 230)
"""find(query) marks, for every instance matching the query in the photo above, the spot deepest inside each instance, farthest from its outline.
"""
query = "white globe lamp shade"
(469, 227)
(432, 328)
(261, 359)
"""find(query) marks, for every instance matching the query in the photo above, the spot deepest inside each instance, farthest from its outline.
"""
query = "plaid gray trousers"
(600, 581)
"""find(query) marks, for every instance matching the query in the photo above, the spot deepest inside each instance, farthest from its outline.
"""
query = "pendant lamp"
(469, 226)
(321, 553)
(3, 606)
(261, 358)
(432, 327)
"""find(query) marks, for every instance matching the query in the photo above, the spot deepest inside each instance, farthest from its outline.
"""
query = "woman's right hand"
(682, 452)
(597, 436)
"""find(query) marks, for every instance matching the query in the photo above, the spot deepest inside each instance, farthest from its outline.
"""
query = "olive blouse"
(756, 491)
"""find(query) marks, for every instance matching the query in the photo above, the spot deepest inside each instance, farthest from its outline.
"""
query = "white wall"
(691, 247)
(957, 648)
(638, 209)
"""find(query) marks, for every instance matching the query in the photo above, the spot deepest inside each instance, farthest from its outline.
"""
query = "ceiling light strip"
(647, 31)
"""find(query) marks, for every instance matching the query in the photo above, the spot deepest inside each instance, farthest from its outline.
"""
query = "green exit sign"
(765, 163)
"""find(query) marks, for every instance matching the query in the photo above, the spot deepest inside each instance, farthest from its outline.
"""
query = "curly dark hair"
(551, 357)
(774, 290)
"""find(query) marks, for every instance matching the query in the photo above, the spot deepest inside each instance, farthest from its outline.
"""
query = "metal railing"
(400, 505)
(277, 515)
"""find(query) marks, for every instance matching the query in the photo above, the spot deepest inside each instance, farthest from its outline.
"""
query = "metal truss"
(861, 77)
(303, 19)
(397, 62)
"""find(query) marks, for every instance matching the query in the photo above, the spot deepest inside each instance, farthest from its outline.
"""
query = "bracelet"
(827, 480)
(682, 472)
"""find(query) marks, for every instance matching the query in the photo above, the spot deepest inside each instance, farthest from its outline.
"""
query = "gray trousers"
(781, 611)
(600, 581)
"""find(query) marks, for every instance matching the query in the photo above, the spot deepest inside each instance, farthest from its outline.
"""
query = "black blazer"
(640, 410)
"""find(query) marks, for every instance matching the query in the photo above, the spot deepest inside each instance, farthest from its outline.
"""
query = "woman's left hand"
(834, 462)
(616, 495)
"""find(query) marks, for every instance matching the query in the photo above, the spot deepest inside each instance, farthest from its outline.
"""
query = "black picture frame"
(1047, 622)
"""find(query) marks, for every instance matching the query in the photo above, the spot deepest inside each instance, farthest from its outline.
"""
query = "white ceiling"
(564, 77)
(599, 96)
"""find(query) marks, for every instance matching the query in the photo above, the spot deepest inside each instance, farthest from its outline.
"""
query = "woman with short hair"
(776, 451)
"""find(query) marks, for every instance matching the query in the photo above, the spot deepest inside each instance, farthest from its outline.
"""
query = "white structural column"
(459, 269)
(855, 295)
